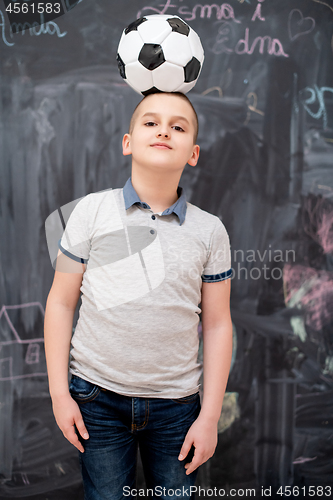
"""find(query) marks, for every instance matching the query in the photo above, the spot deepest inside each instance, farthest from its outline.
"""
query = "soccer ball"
(160, 53)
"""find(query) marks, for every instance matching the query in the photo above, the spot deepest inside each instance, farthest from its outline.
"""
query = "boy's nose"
(164, 134)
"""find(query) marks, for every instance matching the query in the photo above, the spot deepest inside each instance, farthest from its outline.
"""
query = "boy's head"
(162, 133)
(179, 95)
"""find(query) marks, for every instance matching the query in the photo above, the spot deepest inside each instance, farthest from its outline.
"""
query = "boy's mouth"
(160, 145)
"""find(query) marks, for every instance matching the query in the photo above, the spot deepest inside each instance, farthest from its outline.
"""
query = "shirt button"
(152, 231)
(153, 217)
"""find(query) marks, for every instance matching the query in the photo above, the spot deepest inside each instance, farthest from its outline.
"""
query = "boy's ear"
(195, 156)
(127, 145)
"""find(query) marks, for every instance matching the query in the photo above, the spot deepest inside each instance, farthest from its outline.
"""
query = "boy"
(144, 259)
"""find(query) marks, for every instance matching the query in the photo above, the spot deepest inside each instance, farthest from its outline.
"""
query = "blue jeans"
(117, 425)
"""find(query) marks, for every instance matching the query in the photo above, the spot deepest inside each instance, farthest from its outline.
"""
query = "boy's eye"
(178, 128)
(150, 124)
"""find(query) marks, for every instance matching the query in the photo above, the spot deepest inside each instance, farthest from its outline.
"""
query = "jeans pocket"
(187, 399)
(83, 391)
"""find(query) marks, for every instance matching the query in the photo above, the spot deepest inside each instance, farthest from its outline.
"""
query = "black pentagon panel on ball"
(178, 26)
(151, 56)
(153, 90)
(192, 70)
(121, 66)
(134, 25)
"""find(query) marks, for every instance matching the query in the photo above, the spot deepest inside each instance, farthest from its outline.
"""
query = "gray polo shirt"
(137, 332)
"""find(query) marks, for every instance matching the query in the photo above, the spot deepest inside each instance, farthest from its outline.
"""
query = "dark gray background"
(265, 168)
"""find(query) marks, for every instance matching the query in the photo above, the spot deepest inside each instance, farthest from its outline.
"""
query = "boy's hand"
(68, 416)
(203, 436)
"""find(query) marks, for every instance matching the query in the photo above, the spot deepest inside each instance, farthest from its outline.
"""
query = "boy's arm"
(217, 353)
(59, 313)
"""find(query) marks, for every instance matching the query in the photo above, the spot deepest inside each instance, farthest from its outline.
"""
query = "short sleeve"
(75, 241)
(218, 265)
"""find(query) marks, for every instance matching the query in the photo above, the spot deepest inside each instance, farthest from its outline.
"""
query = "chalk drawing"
(299, 25)
(323, 3)
(318, 222)
(303, 460)
(230, 411)
(13, 361)
(328, 370)
(310, 290)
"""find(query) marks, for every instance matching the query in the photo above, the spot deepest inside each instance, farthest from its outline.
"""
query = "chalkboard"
(265, 106)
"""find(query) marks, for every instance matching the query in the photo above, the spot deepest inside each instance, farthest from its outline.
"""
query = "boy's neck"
(159, 192)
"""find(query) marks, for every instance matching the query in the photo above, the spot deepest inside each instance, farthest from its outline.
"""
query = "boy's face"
(163, 134)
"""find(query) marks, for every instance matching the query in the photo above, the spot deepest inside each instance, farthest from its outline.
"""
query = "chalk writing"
(273, 45)
(299, 25)
(37, 29)
(252, 101)
(212, 89)
(3, 32)
(257, 13)
(49, 28)
(317, 94)
(162, 11)
(223, 43)
(225, 83)
(223, 11)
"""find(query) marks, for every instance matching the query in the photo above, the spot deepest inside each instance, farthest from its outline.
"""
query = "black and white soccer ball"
(160, 53)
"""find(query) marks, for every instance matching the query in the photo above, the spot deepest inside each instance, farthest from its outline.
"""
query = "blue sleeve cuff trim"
(71, 256)
(213, 278)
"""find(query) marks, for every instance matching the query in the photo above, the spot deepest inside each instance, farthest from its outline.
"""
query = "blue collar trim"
(179, 207)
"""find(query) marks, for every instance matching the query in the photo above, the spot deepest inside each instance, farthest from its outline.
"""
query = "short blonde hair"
(177, 94)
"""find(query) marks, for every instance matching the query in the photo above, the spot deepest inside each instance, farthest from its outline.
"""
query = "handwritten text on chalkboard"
(49, 28)
(225, 14)
(317, 95)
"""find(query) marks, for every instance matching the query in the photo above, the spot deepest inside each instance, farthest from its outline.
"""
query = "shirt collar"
(179, 207)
